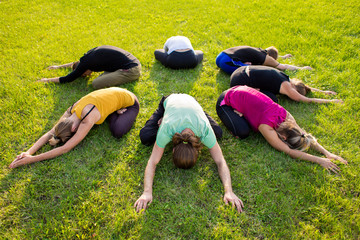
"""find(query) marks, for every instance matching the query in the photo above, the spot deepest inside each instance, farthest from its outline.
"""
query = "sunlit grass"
(90, 191)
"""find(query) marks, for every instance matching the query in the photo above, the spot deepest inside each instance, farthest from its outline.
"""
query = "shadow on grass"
(54, 197)
(223, 80)
(174, 81)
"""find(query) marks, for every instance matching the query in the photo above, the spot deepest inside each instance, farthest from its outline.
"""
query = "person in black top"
(232, 58)
(119, 67)
(271, 81)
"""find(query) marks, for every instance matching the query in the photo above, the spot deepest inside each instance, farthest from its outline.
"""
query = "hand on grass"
(329, 166)
(335, 157)
(286, 56)
(337, 101)
(20, 160)
(235, 201)
(307, 68)
(143, 201)
(44, 80)
(330, 92)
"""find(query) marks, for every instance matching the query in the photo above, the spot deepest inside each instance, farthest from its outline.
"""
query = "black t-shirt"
(262, 77)
(247, 54)
(103, 58)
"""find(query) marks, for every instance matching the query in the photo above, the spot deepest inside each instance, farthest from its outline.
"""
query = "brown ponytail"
(62, 132)
(300, 86)
(272, 52)
(186, 150)
(295, 137)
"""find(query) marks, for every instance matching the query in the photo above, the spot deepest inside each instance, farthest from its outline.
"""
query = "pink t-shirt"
(256, 107)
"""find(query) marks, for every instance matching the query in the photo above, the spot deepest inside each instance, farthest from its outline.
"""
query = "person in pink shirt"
(242, 108)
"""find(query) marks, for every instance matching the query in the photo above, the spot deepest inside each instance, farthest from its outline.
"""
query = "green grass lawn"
(90, 191)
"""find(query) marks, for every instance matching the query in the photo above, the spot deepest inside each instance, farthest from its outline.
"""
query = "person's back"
(256, 107)
(178, 53)
(183, 111)
(255, 56)
(260, 77)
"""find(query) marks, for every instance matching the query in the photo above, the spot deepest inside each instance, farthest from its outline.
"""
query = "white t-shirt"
(177, 42)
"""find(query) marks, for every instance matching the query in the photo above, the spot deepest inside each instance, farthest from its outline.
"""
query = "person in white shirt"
(178, 53)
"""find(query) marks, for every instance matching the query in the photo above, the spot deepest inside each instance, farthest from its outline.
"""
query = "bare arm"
(47, 80)
(146, 197)
(41, 141)
(82, 131)
(291, 92)
(286, 56)
(224, 173)
(317, 147)
(269, 61)
(281, 66)
(271, 136)
(60, 66)
(323, 91)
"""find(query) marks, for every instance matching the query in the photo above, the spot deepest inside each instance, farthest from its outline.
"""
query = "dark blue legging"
(120, 124)
(237, 125)
(226, 64)
(179, 60)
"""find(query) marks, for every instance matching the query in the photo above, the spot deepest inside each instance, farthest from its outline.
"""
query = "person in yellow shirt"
(118, 105)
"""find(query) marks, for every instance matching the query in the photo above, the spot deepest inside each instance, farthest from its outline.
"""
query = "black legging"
(120, 124)
(179, 60)
(149, 131)
(237, 125)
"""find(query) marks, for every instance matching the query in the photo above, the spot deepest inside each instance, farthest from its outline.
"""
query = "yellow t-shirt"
(106, 101)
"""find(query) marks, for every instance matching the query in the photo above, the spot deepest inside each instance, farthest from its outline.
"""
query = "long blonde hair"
(186, 150)
(62, 131)
(295, 137)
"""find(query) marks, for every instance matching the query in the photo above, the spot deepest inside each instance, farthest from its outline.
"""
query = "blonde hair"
(273, 52)
(62, 132)
(300, 87)
(295, 137)
(186, 150)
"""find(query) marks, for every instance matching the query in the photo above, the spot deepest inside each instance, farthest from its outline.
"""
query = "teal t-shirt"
(183, 111)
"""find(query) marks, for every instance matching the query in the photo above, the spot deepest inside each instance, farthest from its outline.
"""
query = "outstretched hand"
(143, 201)
(20, 160)
(329, 165)
(335, 157)
(337, 101)
(45, 80)
(329, 92)
(307, 68)
(235, 201)
(286, 56)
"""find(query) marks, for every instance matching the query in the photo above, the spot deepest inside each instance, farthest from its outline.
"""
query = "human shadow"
(51, 194)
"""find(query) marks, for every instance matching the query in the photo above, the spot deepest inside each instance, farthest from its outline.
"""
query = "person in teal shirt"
(180, 119)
